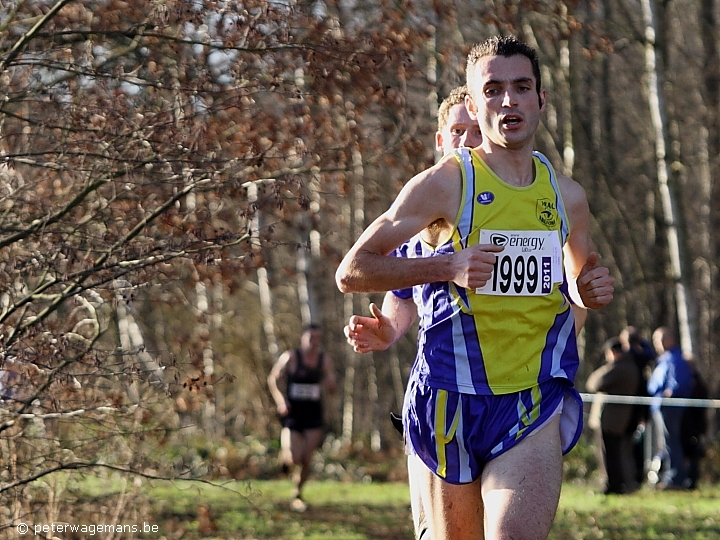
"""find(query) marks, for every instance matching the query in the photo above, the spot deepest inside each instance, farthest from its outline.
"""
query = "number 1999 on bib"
(526, 266)
(523, 276)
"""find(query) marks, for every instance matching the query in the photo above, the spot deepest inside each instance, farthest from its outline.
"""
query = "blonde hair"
(456, 97)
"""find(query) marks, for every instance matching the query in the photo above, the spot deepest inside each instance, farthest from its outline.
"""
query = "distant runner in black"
(305, 372)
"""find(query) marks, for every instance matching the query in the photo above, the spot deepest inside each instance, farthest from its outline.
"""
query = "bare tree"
(658, 115)
(132, 138)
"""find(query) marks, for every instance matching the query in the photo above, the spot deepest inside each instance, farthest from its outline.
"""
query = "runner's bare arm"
(431, 195)
(590, 283)
(279, 371)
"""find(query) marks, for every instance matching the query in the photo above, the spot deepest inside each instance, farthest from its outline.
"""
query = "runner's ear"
(471, 107)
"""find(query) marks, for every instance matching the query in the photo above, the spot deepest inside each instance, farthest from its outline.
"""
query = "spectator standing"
(694, 427)
(619, 376)
(643, 354)
(671, 377)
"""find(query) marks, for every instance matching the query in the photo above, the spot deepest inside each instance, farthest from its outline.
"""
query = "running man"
(455, 129)
(490, 406)
(299, 404)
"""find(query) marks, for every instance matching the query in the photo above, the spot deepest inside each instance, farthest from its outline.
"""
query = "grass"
(260, 510)
(644, 515)
(378, 511)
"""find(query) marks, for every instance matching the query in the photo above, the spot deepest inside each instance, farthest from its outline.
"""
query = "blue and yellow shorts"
(456, 434)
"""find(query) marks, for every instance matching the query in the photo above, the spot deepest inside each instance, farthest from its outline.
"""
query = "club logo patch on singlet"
(530, 264)
(486, 197)
(547, 213)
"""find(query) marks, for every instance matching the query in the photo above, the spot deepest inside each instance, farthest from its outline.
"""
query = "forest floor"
(380, 511)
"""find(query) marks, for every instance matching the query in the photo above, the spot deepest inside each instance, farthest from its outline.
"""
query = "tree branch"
(77, 465)
(30, 34)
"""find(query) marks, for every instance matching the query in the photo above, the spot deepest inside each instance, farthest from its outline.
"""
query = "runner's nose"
(471, 139)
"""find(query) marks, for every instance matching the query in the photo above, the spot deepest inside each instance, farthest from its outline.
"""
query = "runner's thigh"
(521, 488)
(453, 511)
(297, 446)
(415, 466)
(313, 439)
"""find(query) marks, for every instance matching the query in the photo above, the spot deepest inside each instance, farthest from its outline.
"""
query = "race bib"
(304, 392)
(530, 264)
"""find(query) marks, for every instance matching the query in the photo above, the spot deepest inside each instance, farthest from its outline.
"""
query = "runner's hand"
(595, 285)
(474, 265)
(283, 409)
(367, 334)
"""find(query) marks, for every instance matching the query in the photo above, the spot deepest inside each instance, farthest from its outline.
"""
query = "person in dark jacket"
(618, 376)
(694, 427)
(643, 354)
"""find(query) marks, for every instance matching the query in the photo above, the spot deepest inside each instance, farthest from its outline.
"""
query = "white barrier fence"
(650, 434)
(642, 400)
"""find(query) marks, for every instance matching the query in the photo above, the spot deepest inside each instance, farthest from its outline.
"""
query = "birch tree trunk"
(308, 312)
(349, 381)
(357, 226)
(303, 270)
(548, 130)
(132, 343)
(431, 73)
(216, 323)
(373, 395)
(308, 258)
(559, 120)
(669, 207)
(203, 331)
(709, 22)
(262, 277)
(710, 112)
(566, 114)
(705, 266)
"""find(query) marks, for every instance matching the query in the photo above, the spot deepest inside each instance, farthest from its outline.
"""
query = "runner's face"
(507, 107)
(460, 130)
(311, 339)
